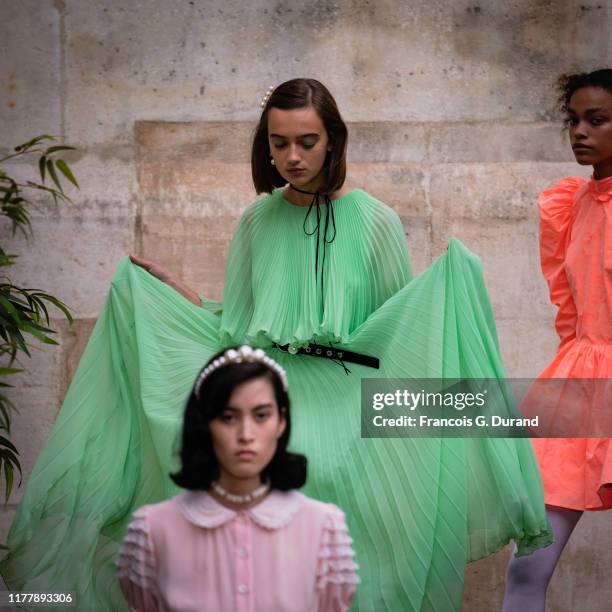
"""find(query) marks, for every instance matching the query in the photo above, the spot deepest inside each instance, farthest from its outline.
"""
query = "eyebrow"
(258, 407)
(595, 109)
(301, 136)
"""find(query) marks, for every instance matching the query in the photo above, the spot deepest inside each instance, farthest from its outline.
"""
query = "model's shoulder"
(365, 198)
(259, 206)
(315, 507)
(563, 190)
(383, 217)
(264, 200)
(556, 203)
(159, 512)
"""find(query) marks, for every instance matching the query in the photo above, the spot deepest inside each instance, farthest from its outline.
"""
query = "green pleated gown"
(418, 509)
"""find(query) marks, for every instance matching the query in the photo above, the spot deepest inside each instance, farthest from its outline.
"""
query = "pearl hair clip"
(265, 99)
(243, 353)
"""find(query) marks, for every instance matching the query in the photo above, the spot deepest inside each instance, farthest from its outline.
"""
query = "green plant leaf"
(8, 478)
(42, 167)
(15, 300)
(6, 442)
(56, 194)
(9, 455)
(31, 143)
(32, 329)
(9, 193)
(8, 306)
(24, 313)
(19, 340)
(53, 174)
(7, 371)
(59, 148)
(35, 325)
(60, 305)
(5, 417)
(41, 305)
(65, 170)
(10, 462)
(7, 260)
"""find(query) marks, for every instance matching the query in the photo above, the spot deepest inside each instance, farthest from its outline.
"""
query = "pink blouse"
(288, 553)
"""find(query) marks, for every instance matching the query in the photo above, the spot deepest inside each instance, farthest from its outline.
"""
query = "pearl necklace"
(260, 491)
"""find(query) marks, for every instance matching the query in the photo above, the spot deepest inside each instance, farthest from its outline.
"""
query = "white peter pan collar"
(274, 512)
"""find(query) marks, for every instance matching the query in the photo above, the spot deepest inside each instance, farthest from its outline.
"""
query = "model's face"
(245, 434)
(298, 143)
(590, 126)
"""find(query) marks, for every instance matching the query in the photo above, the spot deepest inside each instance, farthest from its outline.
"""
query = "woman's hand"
(164, 276)
(152, 268)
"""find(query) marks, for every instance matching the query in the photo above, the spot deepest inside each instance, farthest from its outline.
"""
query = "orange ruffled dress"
(576, 258)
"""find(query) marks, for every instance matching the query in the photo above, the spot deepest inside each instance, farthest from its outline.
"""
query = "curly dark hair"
(301, 93)
(567, 84)
(199, 464)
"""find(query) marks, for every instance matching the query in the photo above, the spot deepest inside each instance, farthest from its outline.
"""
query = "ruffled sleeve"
(336, 568)
(556, 207)
(137, 573)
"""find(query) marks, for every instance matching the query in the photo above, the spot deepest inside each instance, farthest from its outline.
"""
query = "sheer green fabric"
(418, 510)
(272, 288)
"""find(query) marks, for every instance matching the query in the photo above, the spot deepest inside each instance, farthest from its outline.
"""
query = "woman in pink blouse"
(240, 538)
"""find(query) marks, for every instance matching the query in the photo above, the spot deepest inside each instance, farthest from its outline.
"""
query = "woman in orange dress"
(576, 258)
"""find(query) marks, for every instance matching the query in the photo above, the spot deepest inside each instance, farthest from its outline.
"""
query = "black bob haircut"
(301, 93)
(199, 464)
(568, 84)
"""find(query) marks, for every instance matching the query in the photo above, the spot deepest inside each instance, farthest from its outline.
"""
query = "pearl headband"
(264, 100)
(239, 355)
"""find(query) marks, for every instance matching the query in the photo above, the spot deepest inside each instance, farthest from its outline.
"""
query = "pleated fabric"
(418, 509)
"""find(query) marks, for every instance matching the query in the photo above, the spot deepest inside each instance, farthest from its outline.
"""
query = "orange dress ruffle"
(576, 258)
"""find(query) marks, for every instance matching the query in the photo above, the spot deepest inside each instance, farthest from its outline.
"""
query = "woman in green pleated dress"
(319, 276)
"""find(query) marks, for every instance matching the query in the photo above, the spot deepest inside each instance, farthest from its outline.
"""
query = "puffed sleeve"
(336, 568)
(556, 216)
(137, 565)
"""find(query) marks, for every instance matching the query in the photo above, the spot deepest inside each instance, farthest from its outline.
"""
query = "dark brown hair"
(568, 84)
(301, 93)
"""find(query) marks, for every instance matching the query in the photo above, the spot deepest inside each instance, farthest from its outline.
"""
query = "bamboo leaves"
(24, 313)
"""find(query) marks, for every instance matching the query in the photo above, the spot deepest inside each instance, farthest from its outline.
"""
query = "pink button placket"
(243, 529)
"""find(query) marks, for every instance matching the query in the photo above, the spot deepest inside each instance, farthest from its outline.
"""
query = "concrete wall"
(451, 114)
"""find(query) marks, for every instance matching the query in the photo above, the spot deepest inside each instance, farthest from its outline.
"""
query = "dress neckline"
(276, 510)
(601, 189)
(352, 192)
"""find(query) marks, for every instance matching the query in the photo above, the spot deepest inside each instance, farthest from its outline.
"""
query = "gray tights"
(528, 576)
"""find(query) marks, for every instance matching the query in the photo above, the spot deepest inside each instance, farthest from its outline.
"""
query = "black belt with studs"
(318, 350)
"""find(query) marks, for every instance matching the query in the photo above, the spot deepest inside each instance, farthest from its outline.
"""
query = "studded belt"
(340, 355)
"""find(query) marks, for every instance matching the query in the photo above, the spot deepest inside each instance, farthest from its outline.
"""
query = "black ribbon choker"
(329, 213)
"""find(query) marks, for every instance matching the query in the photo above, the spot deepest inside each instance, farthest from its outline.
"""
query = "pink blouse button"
(243, 589)
(243, 553)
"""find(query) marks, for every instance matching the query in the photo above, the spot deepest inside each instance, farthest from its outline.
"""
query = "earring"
(272, 161)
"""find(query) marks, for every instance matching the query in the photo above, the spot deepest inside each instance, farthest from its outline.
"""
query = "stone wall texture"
(452, 121)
